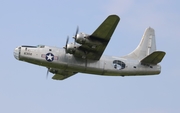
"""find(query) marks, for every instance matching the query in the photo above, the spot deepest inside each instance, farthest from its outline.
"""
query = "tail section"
(146, 46)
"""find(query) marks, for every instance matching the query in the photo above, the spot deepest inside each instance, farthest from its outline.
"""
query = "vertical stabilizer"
(146, 46)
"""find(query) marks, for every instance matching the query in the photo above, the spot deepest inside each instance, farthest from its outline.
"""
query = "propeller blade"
(75, 37)
(67, 40)
(77, 30)
(47, 73)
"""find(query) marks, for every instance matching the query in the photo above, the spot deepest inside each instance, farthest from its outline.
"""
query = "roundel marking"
(49, 57)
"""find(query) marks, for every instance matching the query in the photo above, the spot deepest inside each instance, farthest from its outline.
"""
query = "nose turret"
(17, 52)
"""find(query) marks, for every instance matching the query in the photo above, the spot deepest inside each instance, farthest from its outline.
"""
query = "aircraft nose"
(17, 52)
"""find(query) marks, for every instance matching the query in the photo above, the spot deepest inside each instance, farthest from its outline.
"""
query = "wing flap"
(154, 58)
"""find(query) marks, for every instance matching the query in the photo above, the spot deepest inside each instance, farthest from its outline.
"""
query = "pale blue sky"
(25, 89)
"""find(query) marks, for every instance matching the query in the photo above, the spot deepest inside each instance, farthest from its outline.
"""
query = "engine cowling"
(54, 71)
(74, 49)
(71, 48)
(82, 38)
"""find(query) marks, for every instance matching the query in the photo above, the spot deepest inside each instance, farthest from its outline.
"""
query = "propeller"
(75, 37)
(67, 40)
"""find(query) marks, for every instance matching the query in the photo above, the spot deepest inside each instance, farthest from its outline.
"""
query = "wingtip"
(114, 15)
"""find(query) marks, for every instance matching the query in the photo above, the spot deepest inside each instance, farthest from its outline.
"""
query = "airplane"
(85, 55)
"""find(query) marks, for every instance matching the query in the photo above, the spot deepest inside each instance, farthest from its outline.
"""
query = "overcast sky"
(25, 89)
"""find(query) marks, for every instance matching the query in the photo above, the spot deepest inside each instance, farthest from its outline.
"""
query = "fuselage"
(58, 59)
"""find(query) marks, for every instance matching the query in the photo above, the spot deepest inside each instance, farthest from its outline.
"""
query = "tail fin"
(146, 46)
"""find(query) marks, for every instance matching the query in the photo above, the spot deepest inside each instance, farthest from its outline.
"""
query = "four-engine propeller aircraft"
(86, 56)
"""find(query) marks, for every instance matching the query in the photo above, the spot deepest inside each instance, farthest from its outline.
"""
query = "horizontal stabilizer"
(154, 58)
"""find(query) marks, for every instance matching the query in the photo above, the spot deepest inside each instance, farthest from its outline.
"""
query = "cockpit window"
(40, 46)
(29, 46)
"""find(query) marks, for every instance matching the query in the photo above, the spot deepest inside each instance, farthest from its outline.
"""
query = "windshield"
(40, 46)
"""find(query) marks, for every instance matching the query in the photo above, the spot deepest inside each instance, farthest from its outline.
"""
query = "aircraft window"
(119, 64)
(40, 46)
(29, 46)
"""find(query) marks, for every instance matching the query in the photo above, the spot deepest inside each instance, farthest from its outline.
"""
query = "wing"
(61, 75)
(101, 35)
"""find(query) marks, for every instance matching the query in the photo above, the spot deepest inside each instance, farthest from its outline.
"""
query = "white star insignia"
(49, 57)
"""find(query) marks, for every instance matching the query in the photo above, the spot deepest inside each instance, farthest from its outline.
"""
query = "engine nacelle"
(54, 71)
(82, 38)
(71, 48)
(74, 49)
